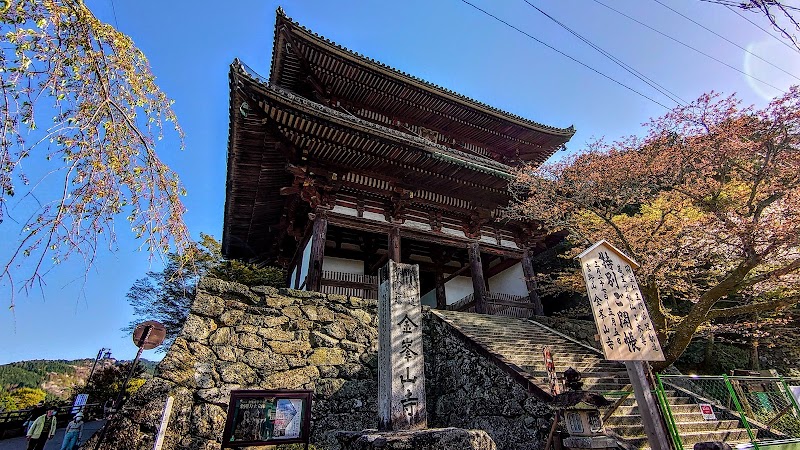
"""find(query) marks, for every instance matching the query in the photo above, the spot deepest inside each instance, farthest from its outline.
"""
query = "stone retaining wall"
(465, 389)
(259, 338)
(263, 338)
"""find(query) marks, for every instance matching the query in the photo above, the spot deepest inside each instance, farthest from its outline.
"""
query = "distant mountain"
(56, 377)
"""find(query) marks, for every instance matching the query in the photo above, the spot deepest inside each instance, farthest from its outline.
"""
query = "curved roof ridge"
(569, 131)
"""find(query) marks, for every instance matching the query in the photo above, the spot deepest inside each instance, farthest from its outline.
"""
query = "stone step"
(622, 419)
(536, 359)
(694, 416)
(586, 372)
(676, 409)
(729, 436)
(672, 401)
(521, 336)
(706, 425)
(637, 429)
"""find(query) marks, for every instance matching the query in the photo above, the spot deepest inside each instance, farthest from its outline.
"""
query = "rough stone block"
(291, 379)
(267, 291)
(324, 356)
(223, 336)
(208, 305)
(289, 348)
(231, 318)
(238, 373)
(430, 439)
(250, 341)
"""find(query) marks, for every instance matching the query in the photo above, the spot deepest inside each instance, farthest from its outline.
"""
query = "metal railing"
(12, 422)
(765, 408)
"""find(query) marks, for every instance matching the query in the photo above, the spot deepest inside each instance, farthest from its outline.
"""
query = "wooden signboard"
(267, 418)
(626, 331)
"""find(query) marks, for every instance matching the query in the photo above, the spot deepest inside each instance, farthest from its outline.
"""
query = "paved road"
(21, 443)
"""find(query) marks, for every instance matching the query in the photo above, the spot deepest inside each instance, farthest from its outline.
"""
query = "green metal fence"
(753, 412)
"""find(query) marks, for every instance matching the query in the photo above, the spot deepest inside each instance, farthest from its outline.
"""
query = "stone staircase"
(518, 343)
(626, 422)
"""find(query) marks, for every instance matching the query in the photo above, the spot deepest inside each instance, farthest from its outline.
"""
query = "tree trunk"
(755, 364)
(708, 356)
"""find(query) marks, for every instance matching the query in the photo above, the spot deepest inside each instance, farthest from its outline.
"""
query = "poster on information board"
(623, 323)
(267, 418)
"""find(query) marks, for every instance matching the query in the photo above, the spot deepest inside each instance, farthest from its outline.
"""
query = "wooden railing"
(363, 286)
(497, 304)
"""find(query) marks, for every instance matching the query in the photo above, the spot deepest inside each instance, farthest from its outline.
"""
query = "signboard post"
(707, 411)
(401, 368)
(162, 427)
(257, 418)
(626, 331)
(550, 366)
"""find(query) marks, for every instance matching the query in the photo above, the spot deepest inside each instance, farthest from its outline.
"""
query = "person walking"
(42, 429)
(72, 435)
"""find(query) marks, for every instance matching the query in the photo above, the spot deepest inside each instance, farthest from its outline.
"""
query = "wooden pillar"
(318, 233)
(530, 282)
(441, 293)
(478, 283)
(394, 244)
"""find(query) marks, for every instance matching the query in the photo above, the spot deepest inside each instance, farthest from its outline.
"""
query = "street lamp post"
(104, 353)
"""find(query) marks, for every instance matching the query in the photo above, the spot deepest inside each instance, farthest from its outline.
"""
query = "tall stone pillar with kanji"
(401, 367)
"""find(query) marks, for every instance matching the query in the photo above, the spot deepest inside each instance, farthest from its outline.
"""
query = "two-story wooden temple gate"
(338, 163)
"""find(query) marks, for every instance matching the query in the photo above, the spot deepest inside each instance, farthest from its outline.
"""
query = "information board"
(267, 418)
(80, 402)
(626, 331)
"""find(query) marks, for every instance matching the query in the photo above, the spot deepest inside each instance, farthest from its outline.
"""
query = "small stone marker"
(401, 368)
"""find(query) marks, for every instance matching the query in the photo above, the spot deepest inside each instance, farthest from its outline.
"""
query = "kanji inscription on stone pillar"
(626, 331)
(401, 368)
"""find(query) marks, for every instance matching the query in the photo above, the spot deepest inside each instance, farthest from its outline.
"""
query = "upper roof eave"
(392, 72)
(438, 151)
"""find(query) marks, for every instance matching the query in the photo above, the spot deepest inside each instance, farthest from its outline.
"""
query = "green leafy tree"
(7, 401)
(166, 296)
(80, 114)
(106, 382)
(24, 398)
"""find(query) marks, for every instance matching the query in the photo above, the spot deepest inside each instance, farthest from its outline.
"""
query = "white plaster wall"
(506, 243)
(429, 298)
(304, 262)
(416, 225)
(457, 288)
(343, 265)
(374, 216)
(510, 281)
(344, 210)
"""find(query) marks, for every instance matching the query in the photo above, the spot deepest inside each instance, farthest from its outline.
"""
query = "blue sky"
(191, 44)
